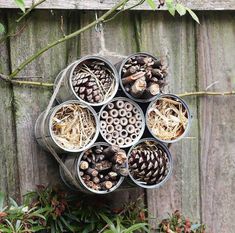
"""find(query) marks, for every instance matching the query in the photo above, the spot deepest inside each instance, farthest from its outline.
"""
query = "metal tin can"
(67, 91)
(46, 130)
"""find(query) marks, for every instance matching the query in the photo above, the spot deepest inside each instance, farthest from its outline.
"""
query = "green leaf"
(20, 4)
(151, 4)
(170, 7)
(2, 28)
(180, 9)
(193, 15)
(13, 202)
(135, 227)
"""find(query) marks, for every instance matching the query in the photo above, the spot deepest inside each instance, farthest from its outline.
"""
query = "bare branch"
(29, 10)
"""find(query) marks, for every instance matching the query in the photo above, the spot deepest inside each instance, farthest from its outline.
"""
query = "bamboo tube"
(129, 114)
(114, 113)
(104, 114)
(123, 121)
(110, 106)
(110, 129)
(138, 117)
(133, 136)
(103, 124)
(120, 104)
(115, 134)
(120, 141)
(116, 121)
(127, 140)
(122, 112)
(132, 120)
(130, 129)
(118, 127)
(128, 107)
(124, 133)
(109, 120)
(138, 124)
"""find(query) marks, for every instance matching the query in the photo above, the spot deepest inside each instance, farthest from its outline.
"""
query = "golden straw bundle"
(167, 118)
(73, 126)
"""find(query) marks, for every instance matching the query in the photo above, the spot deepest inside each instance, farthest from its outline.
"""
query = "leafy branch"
(34, 5)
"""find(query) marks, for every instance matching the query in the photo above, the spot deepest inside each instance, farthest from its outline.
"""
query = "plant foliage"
(173, 7)
(20, 4)
(177, 223)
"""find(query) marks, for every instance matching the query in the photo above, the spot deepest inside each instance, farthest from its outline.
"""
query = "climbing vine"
(120, 6)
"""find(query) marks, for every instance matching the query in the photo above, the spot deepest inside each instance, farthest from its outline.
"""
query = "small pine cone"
(91, 82)
(148, 166)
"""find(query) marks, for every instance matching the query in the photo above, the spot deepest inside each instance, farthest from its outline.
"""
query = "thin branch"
(63, 39)
(13, 34)
(122, 10)
(45, 84)
(31, 83)
(207, 93)
(29, 10)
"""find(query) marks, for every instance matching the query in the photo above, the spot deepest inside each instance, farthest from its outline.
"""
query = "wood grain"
(174, 41)
(107, 4)
(35, 165)
(216, 65)
(9, 182)
(109, 42)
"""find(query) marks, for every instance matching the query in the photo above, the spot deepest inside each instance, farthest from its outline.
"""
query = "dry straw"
(167, 118)
(73, 126)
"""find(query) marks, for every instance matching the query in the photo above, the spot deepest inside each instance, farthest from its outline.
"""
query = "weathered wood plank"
(107, 4)
(9, 182)
(35, 165)
(216, 65)
(174, 41)
(109, 43)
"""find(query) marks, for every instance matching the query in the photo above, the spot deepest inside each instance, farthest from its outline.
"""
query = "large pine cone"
(148, 165)
(92, 82)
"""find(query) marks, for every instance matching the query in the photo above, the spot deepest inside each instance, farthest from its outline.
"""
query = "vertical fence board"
(9, 182)
(216, 67)
(114, 41)
(35, 165)
(174, 41)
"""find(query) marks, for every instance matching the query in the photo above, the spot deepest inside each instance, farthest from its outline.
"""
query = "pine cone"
(148, 165)
(91, 82)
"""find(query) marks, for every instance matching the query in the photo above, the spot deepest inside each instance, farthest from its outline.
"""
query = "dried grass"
(73, 126)
(167, 119)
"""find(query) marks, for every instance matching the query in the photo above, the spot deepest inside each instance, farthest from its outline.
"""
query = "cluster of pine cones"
(92, 81)
(148, 163)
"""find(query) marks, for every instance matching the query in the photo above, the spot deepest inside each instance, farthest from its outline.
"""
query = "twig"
(206, 93)
(31, 83)
(41, 84)
(29, 10)
(199, 93)
(122, 10)
(65, 38)
(14, 34)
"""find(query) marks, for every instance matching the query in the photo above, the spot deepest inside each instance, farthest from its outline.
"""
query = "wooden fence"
(199, 57)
